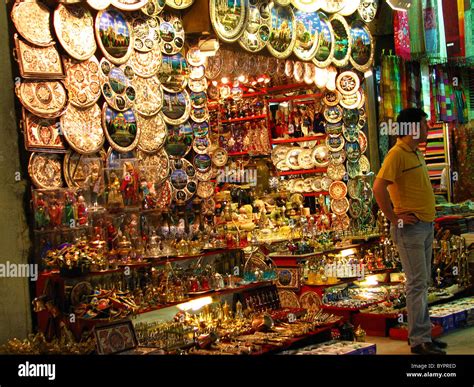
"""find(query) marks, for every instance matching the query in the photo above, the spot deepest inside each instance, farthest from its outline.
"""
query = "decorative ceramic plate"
(219, 157)
(171, 33)
(362, 141)
(257, 28)
(194, 57)
(179, 140)
(325, 51)
(176, 107)
(146, 33)
(334, 129)
(41, 134)
(200, 129)
(350, 7)
(198, 100)
(326, 183)
(228, 19)
(129, 5)
(298, 72)
(311, 301)
(282, 32)
(305, 159)
(82, 129)
(307, 35)
(206, 189)
(337, 158)
(74, 26)
(197, 85)
(114, 35)
(82, 81)
(214, 66)
(38, 62)
(307, 5)
(336, 171)
(367, 10)
(288, 299)
(316, 184)
(353, 169)
(153, 132)
(333, 6)
(45, 170)
(154, 167)
(153, 7)
(309, 72)
(321, 155)
(197, 72)
(279, 153)
(208, 206)
(84, 171)
(353, 151)
(354, 188)
(183, 179)
(289, 68)
(202, 163)
(205, 176)
(43, 99)
(116, 85)
(337, 190)
(174, 73)
(201, 144)
(355, 208)
(32, 21)
(350, 117)
(351, 101)
(364, 164)
(341, 223)
(340, 206)
(351, 133)
(146, 64)
(331, 98)
(292, 158)
(333, 114)
(120, 128)
(149, 96)
(342, 40)
(362, 53)
(98, 5)
(163, 195)
(347, 82)
(199, 114)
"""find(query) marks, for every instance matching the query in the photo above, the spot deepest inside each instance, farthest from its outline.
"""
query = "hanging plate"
(340, 206)
(257, 29)
(45, 170)
(153, 7)
(82, 171)
(337, 158)
(199, 114)
(228, 18)
(363, 48)
(201, 145)
(367, 10)
(342, 40)
(200, 130)
(179, 140)
(355, 208)
(154, 167)
(32, 21)
(341, 223)
(41, 134)
(214, 65)
(333, 6)
(321, 155)
(334, 129)
(198, 100)
(98, 5)
(197, 72)
(353, 169)
(146, 64)
(331, 98)
(350, 101)
(353, 151)
(325, 51)
(350, 7)
(114, 35)
(333, 114)
(149, 95)
(129, 5)
(282, 32)
(347, 82)
(350, 117)
(219, 157)
(362, 141)
(171, 33)
(307, 5)
(364, 164)
(116, 85)
(202, 163)
(174, 73)
(337, 190)
(82, 81)
(82, 129)
(146, 32)
(120, 128)
(194, 57)
(153, 132)
(183, 179)
(205, 189)
(176, 107)
(44, 99)
(74, 26)
(335, 143)
(197, 85)
(351, 133)
(179, 4)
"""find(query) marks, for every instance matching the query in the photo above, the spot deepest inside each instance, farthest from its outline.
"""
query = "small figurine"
(41, 213)
(114, 197)
(55, 213)
(95, 182)
(129, 185)
(81, 210)
(69, 213)
(148, 194)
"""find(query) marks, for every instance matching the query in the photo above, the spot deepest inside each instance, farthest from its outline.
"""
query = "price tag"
(236, 270)
(291, 317)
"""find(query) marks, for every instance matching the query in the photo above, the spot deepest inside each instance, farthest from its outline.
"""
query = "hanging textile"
(403, 84)
(413, 80)
(431, 29)
(461, 106)
(425, 89)
(463, 162)
(469, 32)
(434, 106)
(454, 27)
(415, 21)
(401, 30)
(396, 85)
(386, 110)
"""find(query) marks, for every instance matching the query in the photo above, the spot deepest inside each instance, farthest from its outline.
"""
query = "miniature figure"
(114, 197)
(55, 213)
(129, 185)
(41, 213)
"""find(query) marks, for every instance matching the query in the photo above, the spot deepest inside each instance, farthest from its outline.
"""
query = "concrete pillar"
(15, 310)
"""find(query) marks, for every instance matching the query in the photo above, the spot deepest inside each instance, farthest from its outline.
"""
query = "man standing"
(404, 182)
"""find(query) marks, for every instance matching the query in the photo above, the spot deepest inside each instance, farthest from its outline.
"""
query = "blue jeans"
(415, 243)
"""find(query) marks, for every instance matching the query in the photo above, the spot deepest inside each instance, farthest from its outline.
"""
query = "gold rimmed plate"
(282, 32)
(45, 170)
(121, 128)
(32, 21)
(153, 133)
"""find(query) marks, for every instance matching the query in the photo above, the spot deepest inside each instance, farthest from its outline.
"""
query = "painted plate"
(82, 129)
(200, 129)
(202, 163)
(114, 35)
(367, 10)
(201, 145)
(129, 5)
(42, 134)
(198, 100)
(340, 206)
(174, 73)
(194, 57)
(116, 85)
(334, 129)
(45, 170)
(333, 6)
(98, 5)
(351, 133)
(353, 151)
(288, 299)
(179, 140)
(149, 96)
(353, 169)
(197, 72)
(219, 157)
(331, 98)
(121, 129)
(153, 7)
(354, 188)
(363, 48)
(199, 114)
(355, 208)
(311, 301)
(154, 167)
(146, 32)
(347, 82)
(321, 155)
(282, 32)
(74, 26)
(179, 4)
(84, 171)
(197, 85)
(171, 33)
(341, 223)
(364, 164)
(337, 158)
(153, 133)
(342, 40)
(205, 189)
(82, 81)
(257, 29)
(333, 114)
(351, 101)
(336, 172)
(325, 51)
(362, 141)
(228, 18)
(350, 117)
(184, 183)
(44, 99)
(146, 64)
(307, 5)
(350, 7)
(176, 107)
(32, 21)
(337, 190)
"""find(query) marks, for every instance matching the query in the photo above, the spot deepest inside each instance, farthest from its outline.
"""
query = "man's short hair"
(408, 116)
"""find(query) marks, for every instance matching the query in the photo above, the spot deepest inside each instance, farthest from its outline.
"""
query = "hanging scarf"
(434, 106)
(396, 85)
(461, 106)
(454, 28)
(425, 89)
(401, 30)
(431, 29)
(413, 80)
(469, 31)
(415, 21)
(403, 83)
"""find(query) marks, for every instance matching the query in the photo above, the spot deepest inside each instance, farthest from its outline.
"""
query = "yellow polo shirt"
(411, 190)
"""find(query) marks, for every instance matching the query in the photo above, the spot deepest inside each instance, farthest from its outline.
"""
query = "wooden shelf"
(247, 153)
(302, 171)
(296, 98)
(321, 136)
(312, 194)
(175, 258)
(243, 119)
